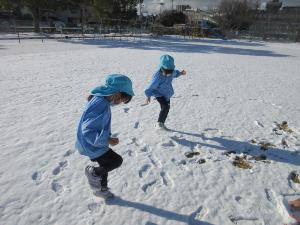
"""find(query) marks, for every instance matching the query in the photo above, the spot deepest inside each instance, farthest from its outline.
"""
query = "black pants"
(107, 162)
(164, 109)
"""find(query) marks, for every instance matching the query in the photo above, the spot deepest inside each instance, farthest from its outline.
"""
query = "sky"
(153, 5)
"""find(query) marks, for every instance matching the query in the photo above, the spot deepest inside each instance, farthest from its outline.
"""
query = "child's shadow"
(226, 144)
(189, 219)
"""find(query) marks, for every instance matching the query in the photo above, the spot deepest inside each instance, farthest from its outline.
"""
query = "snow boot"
(104, 192)
(161, 126)
(93, 179)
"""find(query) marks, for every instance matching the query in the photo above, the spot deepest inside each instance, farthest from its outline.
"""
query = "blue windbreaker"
(161, 86)
(94, 128)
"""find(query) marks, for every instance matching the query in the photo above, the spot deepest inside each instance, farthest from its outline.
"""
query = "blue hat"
(167, 62)
(114, 83)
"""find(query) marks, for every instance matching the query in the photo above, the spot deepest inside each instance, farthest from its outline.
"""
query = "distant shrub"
(169, 18)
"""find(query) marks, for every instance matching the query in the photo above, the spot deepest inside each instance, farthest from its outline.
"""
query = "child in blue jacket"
(161, 87)
(94, 131)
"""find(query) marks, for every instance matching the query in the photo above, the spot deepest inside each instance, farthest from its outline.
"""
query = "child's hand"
(148, 100)
(183, 72)
(113, 141)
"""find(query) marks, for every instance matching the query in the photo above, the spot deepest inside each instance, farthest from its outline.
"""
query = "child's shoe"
(94, 180)
(161, 126)
(104, 193)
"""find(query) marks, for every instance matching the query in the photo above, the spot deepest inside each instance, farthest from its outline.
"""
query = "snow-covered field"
(233, 96)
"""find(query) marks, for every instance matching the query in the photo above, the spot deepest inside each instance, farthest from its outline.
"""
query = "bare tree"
(273, 6)
(236, 14)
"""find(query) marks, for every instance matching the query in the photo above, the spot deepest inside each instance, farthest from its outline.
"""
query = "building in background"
(182, 8)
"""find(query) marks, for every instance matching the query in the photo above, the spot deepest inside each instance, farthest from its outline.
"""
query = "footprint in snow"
(37, 177)
(136, 125)
(69, 153)
(181, 164)
(130, 153)
(60, 167)
(126, 110)
(149, 186)
(168, 144)
(166, 179)
(191, 154)
(155, 161)
(144, 171)
(94, 207)
(56, 187)
(238, 198)
(134, 141)
(145, 149)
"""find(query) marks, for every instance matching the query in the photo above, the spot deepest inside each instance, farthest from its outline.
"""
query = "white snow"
(233, 93)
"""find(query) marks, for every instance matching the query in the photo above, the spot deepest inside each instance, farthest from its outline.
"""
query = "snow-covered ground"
(233, 96)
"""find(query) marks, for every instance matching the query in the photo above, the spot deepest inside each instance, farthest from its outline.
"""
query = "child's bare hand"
(148, 100)
(183, 72)
(113, 141)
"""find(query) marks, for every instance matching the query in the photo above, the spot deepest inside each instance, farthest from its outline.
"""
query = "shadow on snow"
(179, 45)
(189, 219)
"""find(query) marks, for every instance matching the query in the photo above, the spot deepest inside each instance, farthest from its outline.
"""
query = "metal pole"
(19, 37)
(140, 9)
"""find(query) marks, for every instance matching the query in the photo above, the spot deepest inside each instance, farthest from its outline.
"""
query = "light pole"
(140, 9)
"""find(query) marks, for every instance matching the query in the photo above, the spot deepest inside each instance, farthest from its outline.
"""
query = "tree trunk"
(36, 19)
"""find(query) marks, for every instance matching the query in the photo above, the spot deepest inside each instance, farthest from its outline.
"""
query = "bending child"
(94, 131)
(161, 87)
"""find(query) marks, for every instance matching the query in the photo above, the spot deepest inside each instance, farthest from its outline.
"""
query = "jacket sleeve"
(96, 130)
(177, 73)
(153, 85)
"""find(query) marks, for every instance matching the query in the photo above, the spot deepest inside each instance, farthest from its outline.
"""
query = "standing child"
(161, 87)
(94, 131)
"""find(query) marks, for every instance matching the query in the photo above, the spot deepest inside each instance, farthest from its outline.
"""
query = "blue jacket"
(161, 86)
(94, 128)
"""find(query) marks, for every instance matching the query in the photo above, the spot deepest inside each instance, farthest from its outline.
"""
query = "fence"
(113, 29)
(271, 29)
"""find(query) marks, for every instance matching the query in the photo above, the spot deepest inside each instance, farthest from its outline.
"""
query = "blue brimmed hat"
(167, 62)
(114, 83)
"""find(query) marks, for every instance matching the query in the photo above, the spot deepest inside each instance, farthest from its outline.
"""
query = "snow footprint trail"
(39, 176)
(56, 184)
(153, 167)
